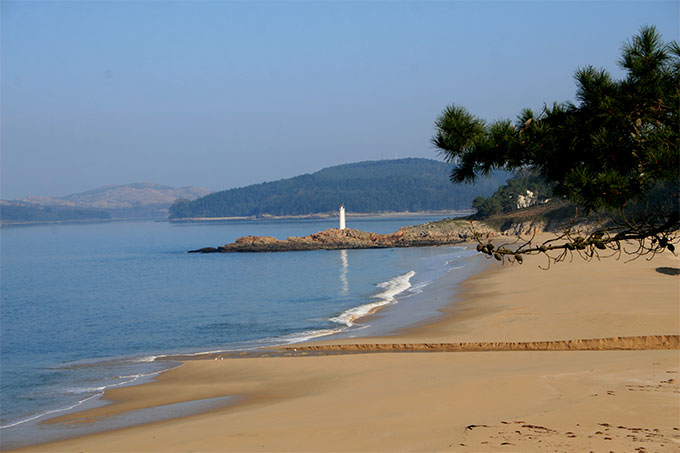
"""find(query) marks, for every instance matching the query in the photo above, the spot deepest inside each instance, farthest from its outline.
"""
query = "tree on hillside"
(616, 151)
(522, 190)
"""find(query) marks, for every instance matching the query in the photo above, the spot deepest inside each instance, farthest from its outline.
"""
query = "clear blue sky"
(225, 94)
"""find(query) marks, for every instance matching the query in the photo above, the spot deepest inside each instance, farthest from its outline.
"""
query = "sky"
(222, 94)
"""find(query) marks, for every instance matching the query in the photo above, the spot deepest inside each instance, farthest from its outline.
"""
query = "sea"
(92, 306)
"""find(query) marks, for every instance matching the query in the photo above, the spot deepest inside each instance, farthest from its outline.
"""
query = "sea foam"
(391, 289)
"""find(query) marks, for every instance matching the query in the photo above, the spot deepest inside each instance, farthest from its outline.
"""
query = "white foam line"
(137, 376)
(308, 335)
(417, 289)
(53, 411)
(141, 375)
(392, 288)
(97, 389)
(193, 354)
(151, 358)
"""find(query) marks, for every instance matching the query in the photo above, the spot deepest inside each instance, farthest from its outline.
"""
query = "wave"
(392, 288)
(99, 391)
(388, 294)
(307, 335)
(128, 379)
(53, 411)
(149, 358)
(418, 288)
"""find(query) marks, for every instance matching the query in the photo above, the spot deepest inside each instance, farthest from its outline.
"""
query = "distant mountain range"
(138, 200)
(399, 185)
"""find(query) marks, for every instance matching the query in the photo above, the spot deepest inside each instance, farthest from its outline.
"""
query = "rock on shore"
(445, 232)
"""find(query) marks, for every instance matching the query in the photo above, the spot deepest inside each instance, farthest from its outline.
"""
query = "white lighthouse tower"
(342, 216)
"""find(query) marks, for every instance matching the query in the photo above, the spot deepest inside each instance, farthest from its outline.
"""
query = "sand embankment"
(648, 342)
(528, 400)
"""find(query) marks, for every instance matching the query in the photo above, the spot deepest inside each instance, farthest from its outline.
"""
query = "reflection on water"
(343, 272)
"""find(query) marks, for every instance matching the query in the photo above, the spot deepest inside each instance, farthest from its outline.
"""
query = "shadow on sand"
(668, 270)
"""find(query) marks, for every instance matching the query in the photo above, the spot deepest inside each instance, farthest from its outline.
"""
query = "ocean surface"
(86, 307)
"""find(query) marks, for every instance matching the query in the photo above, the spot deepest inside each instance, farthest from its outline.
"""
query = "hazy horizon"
(104, 186)
(227, 94)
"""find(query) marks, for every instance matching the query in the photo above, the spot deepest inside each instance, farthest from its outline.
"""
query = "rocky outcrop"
(445, 232)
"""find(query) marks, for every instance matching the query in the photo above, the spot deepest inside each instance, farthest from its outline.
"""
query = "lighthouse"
(342, 216)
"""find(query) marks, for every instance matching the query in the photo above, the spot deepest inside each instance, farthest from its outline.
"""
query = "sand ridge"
(646, 342)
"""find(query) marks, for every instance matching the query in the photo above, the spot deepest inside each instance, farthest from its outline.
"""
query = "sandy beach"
(612, 399)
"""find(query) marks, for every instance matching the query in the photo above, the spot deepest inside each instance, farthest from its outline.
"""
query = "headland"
(444, 232)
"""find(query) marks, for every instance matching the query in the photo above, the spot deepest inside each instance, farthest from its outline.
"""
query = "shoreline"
(328, 215)
(357, 215)
(483, 312)
(277, 343)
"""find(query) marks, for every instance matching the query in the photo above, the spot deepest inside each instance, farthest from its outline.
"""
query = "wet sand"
(610, 399)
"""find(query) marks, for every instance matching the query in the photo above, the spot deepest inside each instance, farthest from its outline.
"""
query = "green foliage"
(506, 197)
(374, 186)
(606, 151)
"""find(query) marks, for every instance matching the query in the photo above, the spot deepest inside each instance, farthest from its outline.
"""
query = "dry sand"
(563, 400)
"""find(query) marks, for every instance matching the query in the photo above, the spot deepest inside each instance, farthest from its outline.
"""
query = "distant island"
(128, 201)
(399, 185)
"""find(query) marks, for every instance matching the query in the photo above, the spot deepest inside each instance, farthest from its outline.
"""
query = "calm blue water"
(88, 306)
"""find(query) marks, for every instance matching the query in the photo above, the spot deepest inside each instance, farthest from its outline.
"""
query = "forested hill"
(397, 185)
